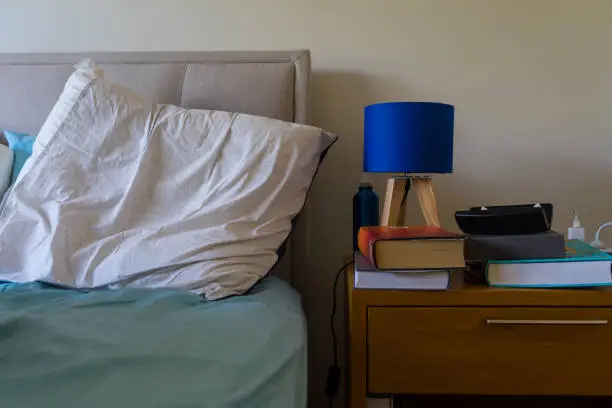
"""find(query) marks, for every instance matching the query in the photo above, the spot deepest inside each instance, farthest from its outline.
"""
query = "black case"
(506, 219)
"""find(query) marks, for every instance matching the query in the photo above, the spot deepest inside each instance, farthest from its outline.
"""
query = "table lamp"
(414, 139)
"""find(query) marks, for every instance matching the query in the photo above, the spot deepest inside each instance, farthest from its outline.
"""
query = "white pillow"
(122, 192)
(6, 168)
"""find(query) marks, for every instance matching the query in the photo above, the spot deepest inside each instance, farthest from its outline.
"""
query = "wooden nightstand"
(476, 340)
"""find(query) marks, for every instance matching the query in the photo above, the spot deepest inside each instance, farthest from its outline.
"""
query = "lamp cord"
(333, 375)
(334, 309)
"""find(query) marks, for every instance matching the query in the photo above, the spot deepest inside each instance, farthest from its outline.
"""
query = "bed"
(157, 348)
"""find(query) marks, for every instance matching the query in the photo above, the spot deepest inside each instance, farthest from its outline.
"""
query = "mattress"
(151, 348)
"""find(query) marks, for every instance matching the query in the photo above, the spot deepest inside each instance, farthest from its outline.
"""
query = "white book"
(367, 277)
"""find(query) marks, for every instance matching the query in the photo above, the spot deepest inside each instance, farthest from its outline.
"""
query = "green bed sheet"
(142, 348)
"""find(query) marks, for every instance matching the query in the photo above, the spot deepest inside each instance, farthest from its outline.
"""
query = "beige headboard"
(273, 84)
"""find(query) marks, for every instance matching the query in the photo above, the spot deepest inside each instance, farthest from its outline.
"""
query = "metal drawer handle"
(511, 322)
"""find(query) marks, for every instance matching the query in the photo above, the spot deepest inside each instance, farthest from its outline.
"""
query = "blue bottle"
(365, 209)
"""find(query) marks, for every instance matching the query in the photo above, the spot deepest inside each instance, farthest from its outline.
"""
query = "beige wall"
(531, 81)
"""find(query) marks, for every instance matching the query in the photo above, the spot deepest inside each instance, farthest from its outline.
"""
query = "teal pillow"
(21, 145)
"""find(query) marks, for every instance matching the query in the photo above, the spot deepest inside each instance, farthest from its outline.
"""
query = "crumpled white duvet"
(123, 192)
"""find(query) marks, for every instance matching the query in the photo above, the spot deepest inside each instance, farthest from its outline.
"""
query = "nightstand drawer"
(473, 350)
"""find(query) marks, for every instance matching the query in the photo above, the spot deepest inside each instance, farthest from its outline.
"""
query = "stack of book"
(541, 260)
(580, 266)
(482, 249)
(418, 258)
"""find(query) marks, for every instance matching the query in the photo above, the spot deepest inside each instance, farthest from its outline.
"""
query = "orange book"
(412, 248)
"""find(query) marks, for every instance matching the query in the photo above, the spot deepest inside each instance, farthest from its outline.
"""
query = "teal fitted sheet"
(142, 348)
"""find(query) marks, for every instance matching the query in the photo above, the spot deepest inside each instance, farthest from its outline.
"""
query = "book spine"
(365, 242)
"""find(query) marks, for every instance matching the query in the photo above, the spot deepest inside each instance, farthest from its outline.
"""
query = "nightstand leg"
(357, 363)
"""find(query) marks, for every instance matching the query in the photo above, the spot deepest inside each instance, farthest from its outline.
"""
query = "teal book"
(582, 266)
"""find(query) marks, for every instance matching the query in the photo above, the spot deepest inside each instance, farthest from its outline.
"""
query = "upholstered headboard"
(273, 84)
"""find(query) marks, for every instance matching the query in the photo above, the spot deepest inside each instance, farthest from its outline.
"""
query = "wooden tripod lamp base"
(394, 208)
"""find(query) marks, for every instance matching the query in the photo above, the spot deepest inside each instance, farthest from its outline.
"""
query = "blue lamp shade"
(408, 137)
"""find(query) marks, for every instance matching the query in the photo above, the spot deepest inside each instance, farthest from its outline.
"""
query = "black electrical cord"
(334, 308)
(333, 374)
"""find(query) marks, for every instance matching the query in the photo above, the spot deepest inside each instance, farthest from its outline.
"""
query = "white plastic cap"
(576, 222)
